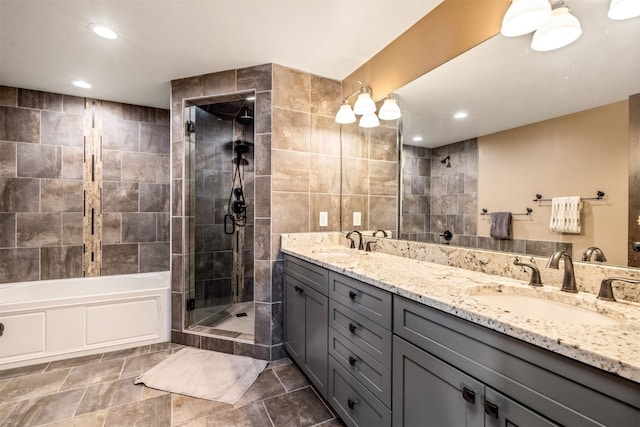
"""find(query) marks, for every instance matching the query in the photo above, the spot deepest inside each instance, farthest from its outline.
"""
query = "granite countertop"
(613, 347)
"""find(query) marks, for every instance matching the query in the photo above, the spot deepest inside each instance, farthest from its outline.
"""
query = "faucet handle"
(606, 290)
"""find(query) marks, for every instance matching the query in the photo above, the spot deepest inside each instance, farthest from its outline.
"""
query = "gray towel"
(501, 225)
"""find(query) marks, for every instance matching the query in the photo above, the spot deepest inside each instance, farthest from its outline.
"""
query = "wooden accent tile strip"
(92, 221)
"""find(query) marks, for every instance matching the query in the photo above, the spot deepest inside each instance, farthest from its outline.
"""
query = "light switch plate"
(357, 219)
(324, 219)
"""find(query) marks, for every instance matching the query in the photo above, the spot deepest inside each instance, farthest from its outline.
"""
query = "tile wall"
(297, 175)
(416, 188)
(41, 186)
(370, 162)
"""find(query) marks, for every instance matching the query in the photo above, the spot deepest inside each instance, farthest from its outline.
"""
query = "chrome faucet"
(599, 255)
(352, 245)
(535, 280)
(569, 280)
(606, 290)
(384, 233)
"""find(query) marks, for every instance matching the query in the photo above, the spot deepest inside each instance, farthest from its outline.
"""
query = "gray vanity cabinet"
(441, 361)
(430, 392)
(306, 310)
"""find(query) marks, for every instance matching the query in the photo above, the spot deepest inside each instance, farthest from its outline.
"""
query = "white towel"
(565, 214)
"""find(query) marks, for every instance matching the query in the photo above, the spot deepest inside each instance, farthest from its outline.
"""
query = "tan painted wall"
(450, 29)
(573, 155)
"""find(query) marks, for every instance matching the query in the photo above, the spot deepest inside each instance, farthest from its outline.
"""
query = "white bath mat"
(204, 374)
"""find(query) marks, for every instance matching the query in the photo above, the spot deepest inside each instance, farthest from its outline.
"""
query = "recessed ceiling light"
(251, 98)
(460, 115)
(105, 32)
(417, 139)
(82, 84)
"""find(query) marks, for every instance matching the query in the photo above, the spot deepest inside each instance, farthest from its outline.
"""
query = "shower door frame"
(189, 201)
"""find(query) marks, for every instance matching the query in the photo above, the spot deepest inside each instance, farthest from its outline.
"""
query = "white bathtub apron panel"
(50, 320)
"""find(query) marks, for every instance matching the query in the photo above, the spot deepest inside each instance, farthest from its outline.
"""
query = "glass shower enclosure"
(219, 210)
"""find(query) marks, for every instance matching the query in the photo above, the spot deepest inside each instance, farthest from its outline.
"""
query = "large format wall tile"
(39, 161)
(38, 229)
(62, 129)
(20, 125)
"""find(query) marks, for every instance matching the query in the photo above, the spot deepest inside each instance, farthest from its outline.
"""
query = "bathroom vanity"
(389, 340)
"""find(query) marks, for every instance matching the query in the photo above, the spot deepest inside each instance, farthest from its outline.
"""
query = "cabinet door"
(294, 327)
(430, 392)
(316, 335)
(500, 411)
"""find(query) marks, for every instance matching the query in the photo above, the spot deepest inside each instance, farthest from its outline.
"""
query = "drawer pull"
(352, 361)
(491, 409)
(469, 395)
(352, 295)
(299, 289)
(352, 328)
(351, 403)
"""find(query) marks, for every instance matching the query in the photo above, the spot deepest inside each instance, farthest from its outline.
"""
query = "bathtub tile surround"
(99, 390)
(297, 158)
(41, 186)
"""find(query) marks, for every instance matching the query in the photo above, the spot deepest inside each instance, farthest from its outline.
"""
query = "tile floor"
(98, 391)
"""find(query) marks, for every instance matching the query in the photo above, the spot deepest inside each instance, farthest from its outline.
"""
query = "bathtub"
(56, 319)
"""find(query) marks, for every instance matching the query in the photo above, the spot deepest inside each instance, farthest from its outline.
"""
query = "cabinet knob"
(299, 289)
(352, 361)
(352, 295)
(469, 395)
(352, 328)
(351, 403)
(491, 409)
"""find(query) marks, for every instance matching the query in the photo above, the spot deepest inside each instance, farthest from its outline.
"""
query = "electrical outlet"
(357, 219)
(324, 219)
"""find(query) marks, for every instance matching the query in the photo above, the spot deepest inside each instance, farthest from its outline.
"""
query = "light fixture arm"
(362, 89)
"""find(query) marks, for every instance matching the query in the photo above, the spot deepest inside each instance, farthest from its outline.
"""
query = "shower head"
(245, 117)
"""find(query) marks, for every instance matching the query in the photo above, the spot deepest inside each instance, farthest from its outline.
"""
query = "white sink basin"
(540, 305)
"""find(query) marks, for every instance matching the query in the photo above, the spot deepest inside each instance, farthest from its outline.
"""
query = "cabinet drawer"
(371, 374)
(366, 334)
(354, 403)
(367, 300)
(310, 274)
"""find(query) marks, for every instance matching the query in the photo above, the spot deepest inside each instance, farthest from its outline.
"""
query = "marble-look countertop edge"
(617, 359)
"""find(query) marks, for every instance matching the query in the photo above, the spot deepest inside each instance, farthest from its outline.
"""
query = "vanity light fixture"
(104, 32)
(81, 84)
(624, 9)
(553, 23)
(366, 107)
(525, 16)
(390, 109)
(369, 120)
(559, 31)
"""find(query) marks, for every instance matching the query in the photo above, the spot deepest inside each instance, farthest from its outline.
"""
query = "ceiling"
(503, 84)
(46, 44)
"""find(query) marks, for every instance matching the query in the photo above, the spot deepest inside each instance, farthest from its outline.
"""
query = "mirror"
(553, 123)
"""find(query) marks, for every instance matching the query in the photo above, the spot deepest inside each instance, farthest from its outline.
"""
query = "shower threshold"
(228, 324)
